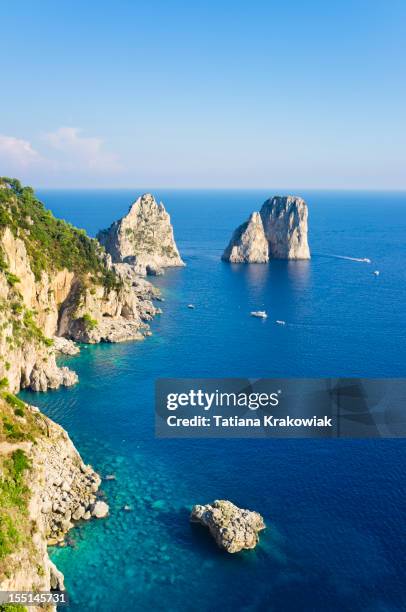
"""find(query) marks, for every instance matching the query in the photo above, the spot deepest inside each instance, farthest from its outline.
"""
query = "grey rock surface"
(285, 224)
(233, 528)
(143, 238)
(278, 231)
(248, 243)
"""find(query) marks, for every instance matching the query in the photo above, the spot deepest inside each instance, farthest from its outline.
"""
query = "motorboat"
(260, 314)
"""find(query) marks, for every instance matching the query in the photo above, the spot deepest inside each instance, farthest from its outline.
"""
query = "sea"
(335, 509)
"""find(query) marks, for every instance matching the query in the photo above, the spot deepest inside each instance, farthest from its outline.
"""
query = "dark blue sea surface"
(335, 510)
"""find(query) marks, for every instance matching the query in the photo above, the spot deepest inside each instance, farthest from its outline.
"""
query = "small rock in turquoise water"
(100, 509)
(233, 528)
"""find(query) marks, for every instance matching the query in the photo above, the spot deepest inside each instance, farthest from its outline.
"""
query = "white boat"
(366, 260)
(261, 314)
(280, 322)
(376, 272)
(191, 306)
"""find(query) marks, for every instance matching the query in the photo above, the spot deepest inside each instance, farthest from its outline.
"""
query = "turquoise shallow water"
(335, 510)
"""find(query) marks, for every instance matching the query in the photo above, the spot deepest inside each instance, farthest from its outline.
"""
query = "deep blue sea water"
(335, 510)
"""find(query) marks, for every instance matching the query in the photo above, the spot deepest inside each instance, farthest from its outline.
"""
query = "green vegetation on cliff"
(51, 243)
(20, 427)
(14, 493)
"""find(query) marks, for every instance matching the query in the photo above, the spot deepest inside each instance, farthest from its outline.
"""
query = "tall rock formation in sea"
(281, 225)
(285, 224)
(248, 243)
(143, 238)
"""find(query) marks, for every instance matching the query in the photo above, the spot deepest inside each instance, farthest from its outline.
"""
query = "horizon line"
(198, 188)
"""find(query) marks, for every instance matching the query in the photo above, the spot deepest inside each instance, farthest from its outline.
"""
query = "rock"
(48, 375)
(143, 238)
(46, 507)
(78, 513)
(285, 225)
(100, 509)
(278, 231)
(233, 528)
(65, 346)
(56, 577)
(248, 243)
(87, 515)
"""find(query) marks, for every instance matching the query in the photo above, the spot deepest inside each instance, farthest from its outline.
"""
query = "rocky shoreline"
(43, 313)
(62, 490)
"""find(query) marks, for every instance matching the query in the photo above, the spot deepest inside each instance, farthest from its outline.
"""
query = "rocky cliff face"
(54, 491)
(278, 231)
(248, 243)
(285, 225)
(36, 305)
(143, 238)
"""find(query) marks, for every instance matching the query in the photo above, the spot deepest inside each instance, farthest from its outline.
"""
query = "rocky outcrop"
(34, 311)
(278, 231)
(248, 243)
(64, 346)
(285, 225)
(233, 528)
(49, 376)
(143, 238)
(62, 490)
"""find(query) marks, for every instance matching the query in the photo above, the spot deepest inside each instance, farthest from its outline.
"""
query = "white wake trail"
(360, 259)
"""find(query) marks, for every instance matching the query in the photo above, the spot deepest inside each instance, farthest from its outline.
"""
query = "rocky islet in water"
(278, 231)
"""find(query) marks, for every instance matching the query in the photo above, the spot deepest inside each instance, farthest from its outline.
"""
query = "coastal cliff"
(44, 488)
(278, 231)
(56, 281)
(57, 286)
(143, 238)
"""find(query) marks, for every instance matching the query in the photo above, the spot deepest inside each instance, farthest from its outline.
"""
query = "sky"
(214, 94)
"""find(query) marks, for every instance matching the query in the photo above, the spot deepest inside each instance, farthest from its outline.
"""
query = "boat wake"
(360, 259)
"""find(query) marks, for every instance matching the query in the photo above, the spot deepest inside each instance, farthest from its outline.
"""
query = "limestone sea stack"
(278, 231)
(248, 243)
(233, 528)
(143, 238)
(285, 225)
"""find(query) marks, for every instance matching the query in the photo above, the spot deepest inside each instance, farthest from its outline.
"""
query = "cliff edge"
(56, 281)
(44, 489)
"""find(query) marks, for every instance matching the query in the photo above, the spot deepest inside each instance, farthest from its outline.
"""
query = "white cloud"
(17, 153)
(82, 152)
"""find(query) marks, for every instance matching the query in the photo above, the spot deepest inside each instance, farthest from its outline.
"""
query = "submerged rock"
(233, 528)
(248, 243)
(143, 238)
(278, 231)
